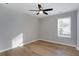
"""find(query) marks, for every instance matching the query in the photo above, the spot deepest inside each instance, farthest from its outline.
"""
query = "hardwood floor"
(42, 48)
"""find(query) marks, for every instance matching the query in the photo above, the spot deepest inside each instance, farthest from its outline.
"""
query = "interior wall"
(13, 24)
(78, 29)
(48, 29)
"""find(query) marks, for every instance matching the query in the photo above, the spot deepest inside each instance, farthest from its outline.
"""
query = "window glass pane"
(64, 27)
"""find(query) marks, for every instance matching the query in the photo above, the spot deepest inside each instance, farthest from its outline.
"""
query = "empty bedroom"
(39, 29)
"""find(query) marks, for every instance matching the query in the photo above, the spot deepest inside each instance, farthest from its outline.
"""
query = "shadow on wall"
(17, 41)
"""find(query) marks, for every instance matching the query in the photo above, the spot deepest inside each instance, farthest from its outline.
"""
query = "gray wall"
(48, 28)
(78, 29)
(12, 24)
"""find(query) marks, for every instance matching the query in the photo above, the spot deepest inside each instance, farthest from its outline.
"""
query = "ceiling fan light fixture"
(41, 12)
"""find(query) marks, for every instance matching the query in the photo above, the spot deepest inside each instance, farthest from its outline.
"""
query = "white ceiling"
(58, 8)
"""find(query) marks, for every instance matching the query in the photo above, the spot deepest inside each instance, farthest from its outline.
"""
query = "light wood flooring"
(42, 48)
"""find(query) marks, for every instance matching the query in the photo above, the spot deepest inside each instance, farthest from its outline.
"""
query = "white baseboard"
(5, 50)
(18, 46)
(29, 42)
(58, 42)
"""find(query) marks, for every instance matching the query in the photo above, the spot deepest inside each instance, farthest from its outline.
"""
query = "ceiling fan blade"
(39, 6)
(33, 10)
(45, 13)
(48, 9)
(37, 13)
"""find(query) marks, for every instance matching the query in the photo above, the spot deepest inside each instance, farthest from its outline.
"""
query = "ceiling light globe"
(41, 12)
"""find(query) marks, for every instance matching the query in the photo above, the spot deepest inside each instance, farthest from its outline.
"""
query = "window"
(64, 27)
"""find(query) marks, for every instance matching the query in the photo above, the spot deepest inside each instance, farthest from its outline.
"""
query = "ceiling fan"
(41, 10)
